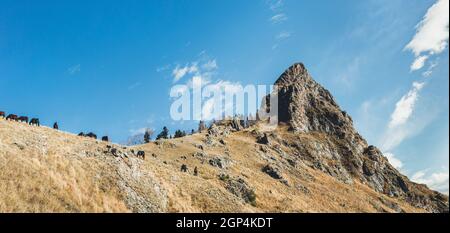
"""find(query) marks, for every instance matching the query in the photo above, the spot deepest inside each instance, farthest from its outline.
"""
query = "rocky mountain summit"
(314, 161)
(306, 107)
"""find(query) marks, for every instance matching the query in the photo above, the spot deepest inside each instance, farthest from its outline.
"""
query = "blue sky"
(108, 66)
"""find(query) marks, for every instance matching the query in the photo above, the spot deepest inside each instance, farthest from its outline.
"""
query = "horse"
(23, 119)
(141, 154)
(35, 121)
(2, 114)
(105, 139)
(55, 125)
(91, 135)
(11, 117)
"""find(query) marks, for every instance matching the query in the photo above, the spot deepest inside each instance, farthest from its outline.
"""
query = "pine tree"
(179, 134)
(147, 135)
(164, 134)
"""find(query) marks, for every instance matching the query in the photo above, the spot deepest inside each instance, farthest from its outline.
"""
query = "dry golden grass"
(44, 170)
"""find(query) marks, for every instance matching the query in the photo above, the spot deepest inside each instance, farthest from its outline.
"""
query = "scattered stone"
(219, 162)
(195, 171)
(302, 189)
(264, 139)
(114, 151)
(272, 171)
(241, 189)
(20, 146)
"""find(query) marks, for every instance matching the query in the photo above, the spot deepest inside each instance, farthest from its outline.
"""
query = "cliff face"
(307, 107)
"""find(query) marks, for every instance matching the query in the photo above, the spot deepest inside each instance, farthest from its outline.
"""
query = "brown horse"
(2, 114)
(141, 154)
(35, 121)
(91, 135)
(11, 117)
(23, 119)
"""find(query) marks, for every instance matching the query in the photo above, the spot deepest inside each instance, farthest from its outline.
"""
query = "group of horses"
(35, 121)
(93, 135)
(24, 119)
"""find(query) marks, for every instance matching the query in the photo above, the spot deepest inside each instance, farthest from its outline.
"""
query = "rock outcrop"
(308, 108)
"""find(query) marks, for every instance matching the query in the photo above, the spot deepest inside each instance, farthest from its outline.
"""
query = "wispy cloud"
(438, 181)
(418, 62)
(278, 18)
(210, 65)
(283, 35)
(74, 69)
(394, 161)
(431, 34)
(429, 71)
(405, 106)
(179, 72)
(275, 5)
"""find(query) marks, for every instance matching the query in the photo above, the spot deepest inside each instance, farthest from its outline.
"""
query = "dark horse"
(11, 117)
(23, 119)
(105, 139)
(91, 135)
(2, 114)
(141, 154)
(55, 126)
(35, 121)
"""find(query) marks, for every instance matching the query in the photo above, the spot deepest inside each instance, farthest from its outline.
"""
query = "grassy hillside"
(45, 170)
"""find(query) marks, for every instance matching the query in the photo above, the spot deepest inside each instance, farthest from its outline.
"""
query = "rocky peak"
(306, 106)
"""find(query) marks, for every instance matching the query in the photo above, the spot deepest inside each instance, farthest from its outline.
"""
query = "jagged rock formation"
(307, 107)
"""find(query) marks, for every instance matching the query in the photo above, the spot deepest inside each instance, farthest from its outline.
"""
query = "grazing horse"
(2, 114)
(55, 125)
(81, 134)
(184, 168)
(141, 154)
(23, 119)
(91, 135)
(35, 121)
(105, 139)
(11, 117)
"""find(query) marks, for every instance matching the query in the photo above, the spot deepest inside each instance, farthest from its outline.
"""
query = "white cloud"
(283, 35)
(74, 69)
(437, 181)
(275, 5)
(180, 72)
(405, 106)
(431, 33)
(210, 65)
(138, 131)
(402, 125)
(393, 160)
(429, 71)
(418, 63)
(278, 18)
